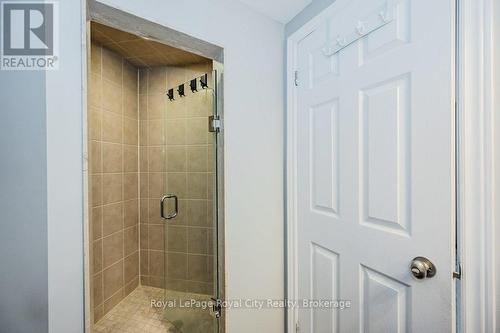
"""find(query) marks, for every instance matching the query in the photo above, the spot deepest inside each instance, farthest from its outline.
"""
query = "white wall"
(253, 108)
(64, 120)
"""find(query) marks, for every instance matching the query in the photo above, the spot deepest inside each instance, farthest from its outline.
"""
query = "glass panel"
(190, 255)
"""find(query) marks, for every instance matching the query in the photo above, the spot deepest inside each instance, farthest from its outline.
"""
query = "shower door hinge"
(457, 274)
(296, 78)
(216, 307)
(214, 124)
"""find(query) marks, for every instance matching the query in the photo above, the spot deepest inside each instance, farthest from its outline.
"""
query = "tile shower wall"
(113, 163)
(176, 156)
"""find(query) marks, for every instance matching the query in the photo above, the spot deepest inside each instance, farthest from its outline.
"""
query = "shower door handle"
(162, 205)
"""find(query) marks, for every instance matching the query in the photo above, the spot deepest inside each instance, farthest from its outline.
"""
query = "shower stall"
(154, 139)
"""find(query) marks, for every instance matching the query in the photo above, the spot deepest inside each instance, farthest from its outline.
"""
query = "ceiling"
(139, 51)
(279, 10)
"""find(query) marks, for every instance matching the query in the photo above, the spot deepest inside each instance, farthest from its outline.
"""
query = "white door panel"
(375, 167)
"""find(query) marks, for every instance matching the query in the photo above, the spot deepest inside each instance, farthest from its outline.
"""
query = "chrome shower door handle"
(162, 205)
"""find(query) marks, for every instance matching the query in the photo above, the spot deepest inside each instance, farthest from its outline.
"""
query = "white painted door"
(373, 166)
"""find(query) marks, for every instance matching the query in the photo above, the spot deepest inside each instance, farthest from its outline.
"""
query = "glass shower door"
(190, 207)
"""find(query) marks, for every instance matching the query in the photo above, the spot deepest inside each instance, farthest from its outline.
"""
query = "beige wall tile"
(130, 158)
(112, 157)
(130, 186)
(198, 268)
(156, 159)
(95, 59)
(177, 240)
(143, 159)
(97, 256)
(130, 77)
(111, 127)
(112, 301)
(95, 157)
(143, 236)
(143, 133)
(97, 289)
(112, 218)
(176, 183)
(112, 188)
(96, 188)
(130, 134)
(197, 240)
(197, 186)
(198, 131)
(143, 80)
(112, 97)
(144, 269)
(154, 212)
(113, 279)
(156, 185)
(155, 132)
(95, 123)
(197, 157)
(177, 265)
(95, 91)
(143, 107)
(130, 213)
(197, 213)
(130, 106)
(156, 263)
(97, 222)
(112, 247)
(176, 109)
(111, 66)
(144, 185)
(156, 234)
(131, 240)
(131, 267)
(130, 286)
(176, 132)
(200, 104)
(176, 158)
(156, 106)
(157, 82)
(144, 210)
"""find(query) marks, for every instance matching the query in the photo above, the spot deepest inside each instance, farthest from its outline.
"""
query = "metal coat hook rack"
(193, 85)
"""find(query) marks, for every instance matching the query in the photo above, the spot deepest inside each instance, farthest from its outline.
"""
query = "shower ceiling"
(141, 52)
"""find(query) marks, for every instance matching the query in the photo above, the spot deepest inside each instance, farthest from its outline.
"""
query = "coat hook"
(340, 41)
(180, 90)
(170, 94)
(360, 28)
(193, 85)
(204, 81)
(383, 16)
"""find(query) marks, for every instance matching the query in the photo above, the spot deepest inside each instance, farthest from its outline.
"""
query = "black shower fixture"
(170, 94)
(193, 84)
(204, 81)
(180, 90)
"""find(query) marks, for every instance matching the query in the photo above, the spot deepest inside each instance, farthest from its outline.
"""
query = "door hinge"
(214, 124)
(296, 78)
(457, 274)
(297, 327)
(216, 307)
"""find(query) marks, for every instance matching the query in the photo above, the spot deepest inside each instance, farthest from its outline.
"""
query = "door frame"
(477, 164)
(114, 17)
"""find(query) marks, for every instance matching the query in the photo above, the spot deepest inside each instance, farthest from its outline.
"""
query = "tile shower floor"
(134, 314)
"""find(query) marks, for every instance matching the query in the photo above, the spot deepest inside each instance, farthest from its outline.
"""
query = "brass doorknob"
(422, 268)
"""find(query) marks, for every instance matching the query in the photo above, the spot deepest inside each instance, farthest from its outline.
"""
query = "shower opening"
(154, 151)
